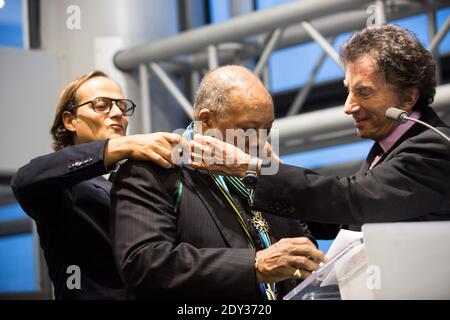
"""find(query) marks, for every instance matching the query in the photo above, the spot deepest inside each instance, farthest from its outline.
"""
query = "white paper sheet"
(343, 239)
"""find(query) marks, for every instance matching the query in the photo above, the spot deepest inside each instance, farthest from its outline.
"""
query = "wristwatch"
(251, 175)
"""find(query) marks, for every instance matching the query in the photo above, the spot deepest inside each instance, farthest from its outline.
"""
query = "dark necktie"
(374, 155)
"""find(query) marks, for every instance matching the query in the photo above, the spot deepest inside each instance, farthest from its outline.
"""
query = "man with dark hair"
(404, 177)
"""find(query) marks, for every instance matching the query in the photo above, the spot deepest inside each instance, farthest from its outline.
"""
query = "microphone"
(397, 115)
(401, 116)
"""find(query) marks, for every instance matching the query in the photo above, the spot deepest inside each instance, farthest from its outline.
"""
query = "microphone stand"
(426, 125)
(399, 115)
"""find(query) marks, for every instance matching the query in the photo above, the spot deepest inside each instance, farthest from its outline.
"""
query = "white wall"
(130, 22)
(28, 95)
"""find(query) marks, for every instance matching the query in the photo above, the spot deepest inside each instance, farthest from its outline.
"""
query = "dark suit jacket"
(68, 198)
(199, 252)
(409, 183)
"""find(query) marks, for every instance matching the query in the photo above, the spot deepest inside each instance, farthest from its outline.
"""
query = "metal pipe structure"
(172, 88)
(329, 126)
(331, 25)
(432, 25)
(439, 36)
(300, 98)
(293, 35)
(195, 81)
(266, 76)
(271, 44)
(213, 57)
(380, 12)
(322, 42)
(234, 29)
(144, 83)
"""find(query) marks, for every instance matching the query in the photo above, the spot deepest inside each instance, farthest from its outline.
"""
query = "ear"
(207, 119)
(69, 121)
(411, 99)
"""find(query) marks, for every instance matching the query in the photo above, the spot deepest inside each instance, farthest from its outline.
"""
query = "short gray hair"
(214, 90)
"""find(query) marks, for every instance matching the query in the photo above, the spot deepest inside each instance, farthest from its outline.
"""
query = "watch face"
(250, 181)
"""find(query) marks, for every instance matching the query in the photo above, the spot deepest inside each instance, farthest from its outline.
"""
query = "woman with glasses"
(67, 192)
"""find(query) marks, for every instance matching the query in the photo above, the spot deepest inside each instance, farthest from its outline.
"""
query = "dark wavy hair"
(61, 136)
(401, 58)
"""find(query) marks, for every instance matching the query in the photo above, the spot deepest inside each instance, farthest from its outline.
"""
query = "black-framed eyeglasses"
(104, 105)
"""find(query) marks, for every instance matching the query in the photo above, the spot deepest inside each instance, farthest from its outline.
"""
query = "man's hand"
(280, 261)
(270, 153)
(216, 156)
(156, 147)
(213, 155)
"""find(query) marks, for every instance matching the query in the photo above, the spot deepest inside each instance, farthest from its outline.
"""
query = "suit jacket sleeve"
(153, 263)
(36, 185)
(411, 182)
